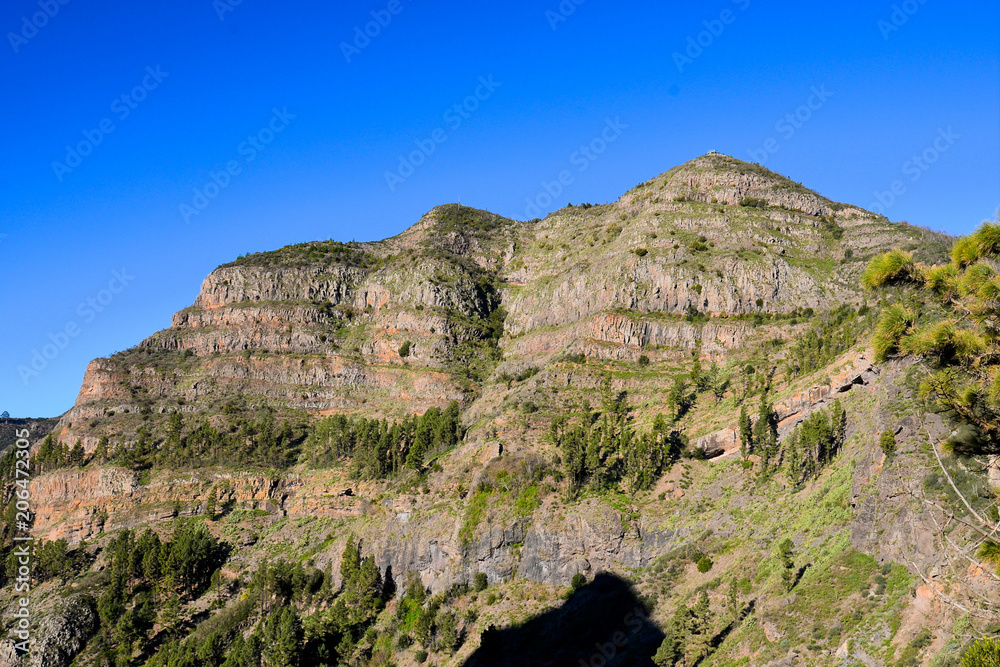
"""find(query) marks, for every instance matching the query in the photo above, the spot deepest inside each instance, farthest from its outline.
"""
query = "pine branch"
(950, 481)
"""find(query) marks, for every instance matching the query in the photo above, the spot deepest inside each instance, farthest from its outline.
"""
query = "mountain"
(9, 427)
(455, 443)
(318, 326)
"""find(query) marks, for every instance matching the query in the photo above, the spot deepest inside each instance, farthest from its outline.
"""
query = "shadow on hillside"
(799, 574)
(603, 623)
(721, 637)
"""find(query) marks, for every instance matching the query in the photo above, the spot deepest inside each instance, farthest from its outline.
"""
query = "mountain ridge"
(528, 405)
(323, 283)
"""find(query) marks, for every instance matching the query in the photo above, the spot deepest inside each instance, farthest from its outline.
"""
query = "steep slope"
(319, 327)
(599, 360)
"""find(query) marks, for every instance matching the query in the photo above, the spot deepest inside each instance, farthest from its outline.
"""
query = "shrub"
(578, 581)
(704, 564)
(641, 252)
(982, 653)
(990, 552)
(984, 242)
(893, 267)
(480, 582)
(941, 279)
(944, 341)
(404, 349)
(421, 656)
(527, 501)
(987, 239)
(753, 202)
(892, 324)
(643, 360)
(887, 442)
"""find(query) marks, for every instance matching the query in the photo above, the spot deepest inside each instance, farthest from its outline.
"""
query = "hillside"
(10, 426)
(655, 424)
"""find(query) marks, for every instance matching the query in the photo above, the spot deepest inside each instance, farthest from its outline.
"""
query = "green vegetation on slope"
(948, 314)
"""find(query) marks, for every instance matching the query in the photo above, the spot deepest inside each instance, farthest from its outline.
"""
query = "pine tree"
(102, 451)
(593, 460)
(350, 561)
(716, 382)
(673, 649)
(733, 598)
(700, 640)
(210, 505)
(794, 457)
(668, 653)
(423, 628)
(838, 426)
(282, 638)
(746, 434)
(786, 554)
(77, 454)
(175, 424)
(680, 399)
(765, 436)
(448, 632)
(170, 613)
(326, 588)
(366, 591)
(698, 378)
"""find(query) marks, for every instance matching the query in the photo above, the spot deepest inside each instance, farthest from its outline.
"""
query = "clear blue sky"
(67, 227)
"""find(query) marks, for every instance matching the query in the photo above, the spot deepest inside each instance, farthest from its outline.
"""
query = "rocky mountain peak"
(719, 178)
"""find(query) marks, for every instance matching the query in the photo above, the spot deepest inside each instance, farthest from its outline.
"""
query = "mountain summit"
(714, 237)
(486, 434)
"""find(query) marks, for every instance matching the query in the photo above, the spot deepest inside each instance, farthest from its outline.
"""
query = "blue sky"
(117, 112)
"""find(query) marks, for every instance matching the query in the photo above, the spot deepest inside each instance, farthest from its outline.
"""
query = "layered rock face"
(319, 327)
